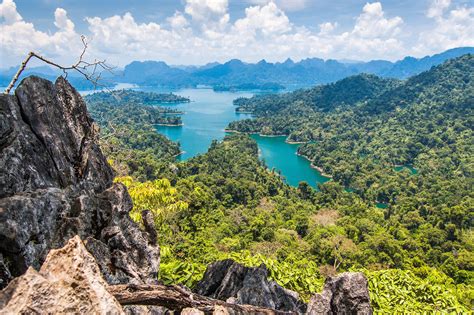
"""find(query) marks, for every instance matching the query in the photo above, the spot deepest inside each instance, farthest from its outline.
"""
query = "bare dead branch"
(80, 66)
(176, 298)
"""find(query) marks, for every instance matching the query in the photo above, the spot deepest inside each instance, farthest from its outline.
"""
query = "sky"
(185, 32)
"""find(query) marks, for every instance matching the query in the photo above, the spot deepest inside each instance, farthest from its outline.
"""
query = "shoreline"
(253, 133)
(406, 165)
(270, 136)
(175, 102)
(160, 103)
(318, 168)
(233, 131)
(176, 155)
(296, 142)
(173, 113)
(169, 125)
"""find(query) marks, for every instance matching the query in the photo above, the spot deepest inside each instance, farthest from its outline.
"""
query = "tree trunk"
(176, 298)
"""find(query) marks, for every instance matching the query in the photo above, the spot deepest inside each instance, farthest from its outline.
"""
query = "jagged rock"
(5, 275)
(229, 281)
(55, 183)
(191, 311)
(68, 282)
(145, 310)
(320, 304)
(149, 224)
(346, 293)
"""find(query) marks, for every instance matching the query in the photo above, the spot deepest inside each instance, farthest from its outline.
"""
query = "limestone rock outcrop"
(55, 183)
(232, 282)
(346, 293)
(68, 282)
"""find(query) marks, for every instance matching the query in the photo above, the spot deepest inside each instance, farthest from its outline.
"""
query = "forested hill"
(128, 136)
(398, 207)
(346, 92)
(449, 83)
(399, 123)
(409, 148)
(121, 97)
(446, 83)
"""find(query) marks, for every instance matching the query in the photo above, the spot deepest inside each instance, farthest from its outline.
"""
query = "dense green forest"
(416, 251)
(226, 203)
(130, 107)
(425, 121)
(127, 134)
(121, 97)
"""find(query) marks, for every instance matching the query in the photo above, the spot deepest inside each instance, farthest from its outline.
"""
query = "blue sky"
(201, 31)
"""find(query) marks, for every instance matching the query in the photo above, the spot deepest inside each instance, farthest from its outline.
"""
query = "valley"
(214, 157)
(397, 206)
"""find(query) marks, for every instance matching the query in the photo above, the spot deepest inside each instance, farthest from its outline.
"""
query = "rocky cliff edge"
(55, 183)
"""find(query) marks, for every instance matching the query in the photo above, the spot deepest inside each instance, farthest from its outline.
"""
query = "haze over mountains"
(236, 73)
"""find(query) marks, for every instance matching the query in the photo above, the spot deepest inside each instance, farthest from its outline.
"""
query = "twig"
(80, 66)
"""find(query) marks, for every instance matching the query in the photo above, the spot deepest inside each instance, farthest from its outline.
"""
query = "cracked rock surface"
(55, 183)
(68, 282)
(346, 293)
(230, 281)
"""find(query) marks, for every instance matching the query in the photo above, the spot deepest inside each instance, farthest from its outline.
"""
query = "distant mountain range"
(75, 78)
(235, 73)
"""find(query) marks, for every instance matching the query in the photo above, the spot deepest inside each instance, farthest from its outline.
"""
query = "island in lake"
(122, 106)
(122, 97)
(267, 86)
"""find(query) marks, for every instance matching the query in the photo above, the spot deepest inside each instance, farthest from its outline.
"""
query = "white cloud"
(122, 35)
(373, 24)
(178, 21)
(453, 28)
(62, 21)
(203, 9)
(287, 5)
(18, 37)
(327, 28)
(210, 14)
(9, 13)
(202, 32)
(268, 19)
(373, 36)
(437, 8)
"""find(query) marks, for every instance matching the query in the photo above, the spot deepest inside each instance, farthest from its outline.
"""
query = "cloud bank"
(203, 31)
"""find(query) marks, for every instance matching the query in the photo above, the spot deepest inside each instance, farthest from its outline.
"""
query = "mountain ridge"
(304, 73)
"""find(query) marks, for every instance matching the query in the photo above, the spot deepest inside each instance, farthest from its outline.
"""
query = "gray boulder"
(346, 293)
(69, 282)
(230, 281)
(55, 183)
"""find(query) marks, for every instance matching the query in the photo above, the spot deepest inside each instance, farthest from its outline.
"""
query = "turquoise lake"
(400, 168)
(205, 119)
(282, 156)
